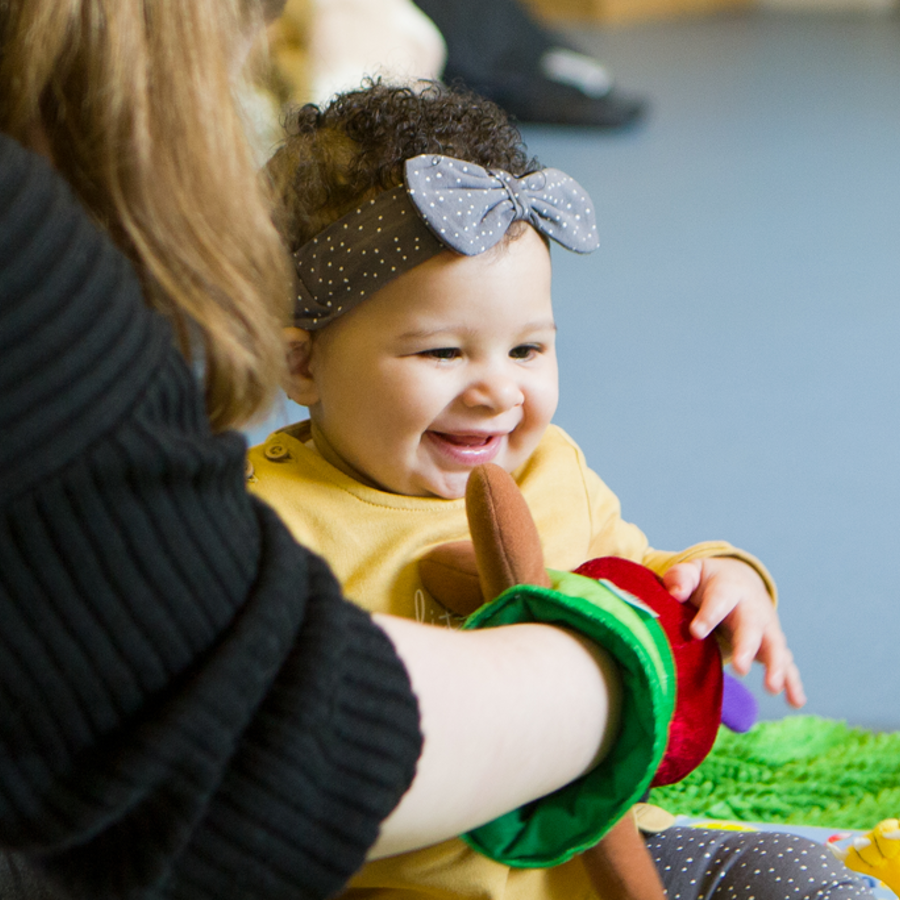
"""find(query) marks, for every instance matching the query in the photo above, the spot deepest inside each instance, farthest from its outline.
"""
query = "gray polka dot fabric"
(707, 864)
(357, 255)
(446, 204)
(470, 208)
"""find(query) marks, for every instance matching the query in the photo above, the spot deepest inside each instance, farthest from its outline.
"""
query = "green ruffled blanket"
(801, 770)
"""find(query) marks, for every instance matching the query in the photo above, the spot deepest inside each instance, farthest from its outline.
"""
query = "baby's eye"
(441, 353)
(525, 351)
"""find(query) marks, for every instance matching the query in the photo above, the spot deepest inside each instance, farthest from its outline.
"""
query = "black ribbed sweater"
(188, 708)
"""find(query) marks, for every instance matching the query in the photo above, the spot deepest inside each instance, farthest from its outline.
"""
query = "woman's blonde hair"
(136, 100)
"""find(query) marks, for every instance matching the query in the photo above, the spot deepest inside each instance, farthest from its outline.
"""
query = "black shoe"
(566, 88)
(541, 101)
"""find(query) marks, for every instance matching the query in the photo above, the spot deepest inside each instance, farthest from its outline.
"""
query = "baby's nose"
(497, 393)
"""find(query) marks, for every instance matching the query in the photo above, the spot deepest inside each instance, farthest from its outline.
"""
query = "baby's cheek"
(542, 412)
(522, 443)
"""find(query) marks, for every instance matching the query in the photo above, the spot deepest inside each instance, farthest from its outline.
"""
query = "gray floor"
(729, 356)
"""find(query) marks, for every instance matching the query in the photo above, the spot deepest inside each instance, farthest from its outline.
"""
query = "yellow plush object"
(319, 47)
(289, 39)
(275, 78)
(877, 854)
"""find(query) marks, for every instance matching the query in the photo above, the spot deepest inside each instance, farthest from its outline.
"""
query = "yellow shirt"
(373, 541)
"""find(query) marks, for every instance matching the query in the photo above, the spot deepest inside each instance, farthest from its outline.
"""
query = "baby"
(423, 345)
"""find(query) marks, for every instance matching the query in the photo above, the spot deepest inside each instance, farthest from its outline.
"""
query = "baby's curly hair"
(338, 157)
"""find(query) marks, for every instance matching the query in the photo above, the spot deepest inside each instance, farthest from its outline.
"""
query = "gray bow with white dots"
(470, 208)
(446, 204)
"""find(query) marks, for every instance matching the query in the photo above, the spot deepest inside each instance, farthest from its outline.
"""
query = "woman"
(189, 707)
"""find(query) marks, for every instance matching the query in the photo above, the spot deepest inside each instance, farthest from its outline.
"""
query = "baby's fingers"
(786, 678)
(682, 580)
(782, 673)
(714, 607)
(793, 687)
(746, 645)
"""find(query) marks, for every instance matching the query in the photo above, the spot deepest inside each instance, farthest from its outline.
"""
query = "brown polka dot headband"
(445, 204)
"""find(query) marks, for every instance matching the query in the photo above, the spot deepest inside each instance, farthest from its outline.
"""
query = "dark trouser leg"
(497, 47)
(488, 42)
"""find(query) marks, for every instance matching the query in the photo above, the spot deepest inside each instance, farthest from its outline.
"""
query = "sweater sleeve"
(189, 708)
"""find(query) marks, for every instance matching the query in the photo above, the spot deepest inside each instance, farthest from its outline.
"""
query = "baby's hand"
(731, 595)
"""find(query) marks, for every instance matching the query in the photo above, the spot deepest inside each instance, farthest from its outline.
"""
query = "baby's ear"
(301, 386)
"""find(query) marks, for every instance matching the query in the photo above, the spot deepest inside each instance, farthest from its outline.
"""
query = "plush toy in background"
(506, 551)
(320, 47)
(877, 854)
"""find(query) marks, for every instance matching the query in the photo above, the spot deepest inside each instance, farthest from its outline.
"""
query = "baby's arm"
(730, 595)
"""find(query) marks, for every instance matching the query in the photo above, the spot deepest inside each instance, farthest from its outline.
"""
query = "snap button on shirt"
(277, 453)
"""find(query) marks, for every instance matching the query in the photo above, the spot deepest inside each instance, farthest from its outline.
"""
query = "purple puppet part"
(739, 706)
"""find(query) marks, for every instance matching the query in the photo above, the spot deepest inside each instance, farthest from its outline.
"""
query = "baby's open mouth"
(466, 449)
(465, 440)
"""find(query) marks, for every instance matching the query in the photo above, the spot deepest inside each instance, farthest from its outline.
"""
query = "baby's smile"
(466, 448)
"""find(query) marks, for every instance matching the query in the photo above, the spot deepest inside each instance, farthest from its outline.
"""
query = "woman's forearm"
(508, 714)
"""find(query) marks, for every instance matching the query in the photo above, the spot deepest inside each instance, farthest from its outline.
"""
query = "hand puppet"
(505, 551)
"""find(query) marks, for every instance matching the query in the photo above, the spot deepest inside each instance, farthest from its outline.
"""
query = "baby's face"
(451, 365)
